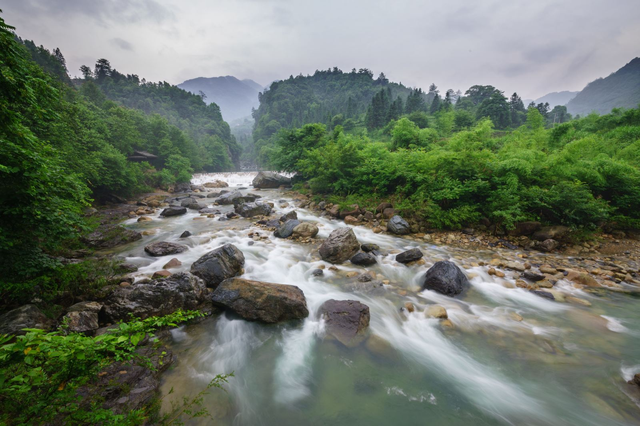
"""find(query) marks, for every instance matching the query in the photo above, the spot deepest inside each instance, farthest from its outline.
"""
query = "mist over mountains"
(235, 97)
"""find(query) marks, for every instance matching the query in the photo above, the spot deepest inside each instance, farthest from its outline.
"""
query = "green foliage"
(40, 373)
(582, 173)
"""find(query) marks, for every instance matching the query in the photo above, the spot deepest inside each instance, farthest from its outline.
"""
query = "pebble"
(436, 311)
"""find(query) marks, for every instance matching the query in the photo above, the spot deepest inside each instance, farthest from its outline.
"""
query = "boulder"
(388, 213)
(409, 256)
(291, 215)
(636, 379)
(532, 276)
(286, 229)
(108, 236)
(259, 301)
(371, 288)
(547, 245)
(352, 211)
(27, 316)
(398, 226)
(185, 234)
(230, 197)
(341, 245)
(346, 320)
(187, 202)
(383, 206)
(173, 211)
(216, 184)
(368, 247)
(157, 297)
(551, 232)
(525, 228)
(306, 230)
(446, 278)
(270, 180)
(173, 263)
(218, 265)
(363, 259)
(253, 209)
(161, 274)
(334, 211)
(350, 220)
(164, 248)
(436, 311)
(83, 317)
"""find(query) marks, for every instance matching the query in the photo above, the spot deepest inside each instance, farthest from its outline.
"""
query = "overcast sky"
(532, 47)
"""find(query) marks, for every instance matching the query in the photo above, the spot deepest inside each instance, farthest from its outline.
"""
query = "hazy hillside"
(619, 90)
(235, 97)
(556, 98)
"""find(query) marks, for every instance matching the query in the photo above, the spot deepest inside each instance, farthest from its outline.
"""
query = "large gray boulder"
(363, 259)
(218, 265)
(253, 209)
(270, 180)
(286, 229)
(27, 316)
(158, 297)
(346, 320)
(446, 278)
(341, 246)
(83, 317)
(259, 301)
(164, 248)
(398, 226)
(173, 211)
(236, 198)
(409, 256)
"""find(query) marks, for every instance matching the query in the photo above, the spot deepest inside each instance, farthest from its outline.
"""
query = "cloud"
(122, 44)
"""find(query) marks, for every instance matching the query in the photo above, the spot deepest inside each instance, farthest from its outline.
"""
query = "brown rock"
(350, 220)
(161, 274)
(173, 263)
(346, 320)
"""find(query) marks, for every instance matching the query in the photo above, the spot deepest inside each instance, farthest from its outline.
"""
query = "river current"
(509, 358)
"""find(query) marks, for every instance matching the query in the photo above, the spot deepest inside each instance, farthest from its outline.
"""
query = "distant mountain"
(556, 98)
(234, 97)
(619, 90)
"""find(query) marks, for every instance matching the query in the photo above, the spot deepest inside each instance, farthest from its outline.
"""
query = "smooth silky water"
(563, 364)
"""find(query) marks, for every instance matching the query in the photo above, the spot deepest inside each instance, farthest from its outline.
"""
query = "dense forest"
(64, 146)
(363, 105)
(584, 173)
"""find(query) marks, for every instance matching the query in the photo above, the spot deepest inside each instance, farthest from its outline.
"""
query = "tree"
(86, 72)
(497, 109)
(382, 80)
(60, 58)
(478, 94)
(544, 109)
(435, 104)
(517, 112)
(404, 134)
(558, 115)
(415, 102)
(102, 69)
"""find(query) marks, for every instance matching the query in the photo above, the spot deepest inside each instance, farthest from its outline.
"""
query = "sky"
(529, 47)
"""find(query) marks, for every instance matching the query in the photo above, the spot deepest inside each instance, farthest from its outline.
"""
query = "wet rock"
(346, 320)
(305, 230)
(436, 311)
(216, 184)
(216, 266)
(409, 256)
(398, 226)
(409, 306)
(253, 209)
(371, 288)
(230, 198)
(340, 246)
(27, 316)
(83, 317)
(161, 274)
(290, 215)
(547, 245)
(164, 248)
(144, 219)
(365, 278)
(286, 229)
(157, 297)
(108, 236)
(525, 228)
(173, 211)
(350, 220)
(334, 211)
(532, 276)
(446, 278)
(636, 379)
(266, 180)
(544, 294)
(383, 206)
(317, 272)
(578, 301)
(363, 259)
(551, 233)
(369, 247)
(516, 266)
(582, 278)
(185, 234)
(388, 213)
(173, 263)
(259, 301)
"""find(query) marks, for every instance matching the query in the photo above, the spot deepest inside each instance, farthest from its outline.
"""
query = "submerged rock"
(164, 248)
(286, 229)
(158, 297)
(259, 301)
(346, 320)
(218, 265)
(445, 278)
(27, 316)
(544, 294)
(173, 211)
(364, 259)
(409, 256)
(270, 180)
(398, 226)
(341, 245)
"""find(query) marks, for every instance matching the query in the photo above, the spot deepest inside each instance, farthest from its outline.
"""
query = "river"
(510, 358)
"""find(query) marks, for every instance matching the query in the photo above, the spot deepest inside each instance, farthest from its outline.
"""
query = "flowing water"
(559, 364)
